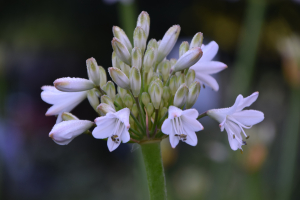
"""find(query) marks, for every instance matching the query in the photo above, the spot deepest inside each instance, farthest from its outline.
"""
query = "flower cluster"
(154, 96)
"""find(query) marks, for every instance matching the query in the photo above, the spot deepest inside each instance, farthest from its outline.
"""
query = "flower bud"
(121, 35)
(152, 43)
(149, 59)
(137, 58)
(93, 70)
(118, 100)
(149, 76)
(165, 70)
(188, 59)
(180, 80)
(173, 84)
(135, 110)
(64, 132)
(190, 77)
(106, 99)
(128, 101)
(197, 40)
(145, 98)
(103, 78)
(139, 38)
(162, 112)
(135, 81)
(144, 22)
(184, 47)
(66, 116)
(194, 91)
(161, 105)
(121, 51)
(181, 96)
(122, 92)
(93, 98)
(115, 61)
(125, 68)
(110, 90)
(119, 78)
(155, 94)
(173, 61)
(166, 93)
(73, 84)
(150, 109)
(168, 42)
(104, 108)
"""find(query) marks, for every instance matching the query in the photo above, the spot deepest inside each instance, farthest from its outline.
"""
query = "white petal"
(191, 124)
(249, 117)
(208, 80)
(233, 129)
(209, 67)
(174, 140)
(64, 132)
(236, 104)
(104, 128)
(218, 114)
(73, 84)
(125, 136)
(112, 145)
(209, 51)
(123, 115)
(174, 112)
(247, 101)
(192, 113)
(234, 144)
(166, 127)
(191, 138)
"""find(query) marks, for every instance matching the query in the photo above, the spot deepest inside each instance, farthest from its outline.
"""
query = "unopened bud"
(135, 81)
(165, 70)
(162, 112)
(152, 43)
(135, 110)
(155, 94)
(122, 92)
(180, 80)
(66, 116)
(190, 77)
(106, 99)
(119, 101)
(181, 96)
(149, 76)
(145, 98)
(137, 58)
(194, 91)
(115, 61)
(166, 93)
(139, 38)
(173, 61)
(150, 109)
(188, 59)
(197, 40)
(119, 78)
(121, 35)
(93, 98)
(110, 90)
(184, 47)
(125, 68)
(173, 84)
(168, 42)
(121, 51)
(128, 101)
(149, 59)
(144, 22)
(104, 108)
(73, 84)
(103, 78)
(93, 70)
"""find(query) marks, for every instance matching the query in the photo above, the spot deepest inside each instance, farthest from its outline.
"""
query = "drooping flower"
(61, 101)
(182, 125)
(234, 119)
(64, 132)
(113, 126)
(205, 66)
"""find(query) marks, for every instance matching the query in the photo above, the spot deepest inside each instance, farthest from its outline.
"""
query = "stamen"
(247, 137)
(233, 136)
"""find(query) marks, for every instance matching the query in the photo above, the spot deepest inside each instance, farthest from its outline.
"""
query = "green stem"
(137, 122)
(155, 122)
(155, 171)
(202, 115)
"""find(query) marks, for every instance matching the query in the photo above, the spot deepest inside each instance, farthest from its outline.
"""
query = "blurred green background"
(43, 40)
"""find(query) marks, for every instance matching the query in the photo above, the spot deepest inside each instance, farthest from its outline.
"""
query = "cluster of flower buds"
(154, 96)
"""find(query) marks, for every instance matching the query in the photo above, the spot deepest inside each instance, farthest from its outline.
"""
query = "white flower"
(61, 101)
(113, 126)
(234, 119)
(64, 132)
(204, 67)
(182, 125)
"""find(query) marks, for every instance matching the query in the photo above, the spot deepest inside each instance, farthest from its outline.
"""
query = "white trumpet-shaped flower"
(182, 125)
(205, 66)
(61, 101)
(64, 132)
(234, 119)
(113, 126)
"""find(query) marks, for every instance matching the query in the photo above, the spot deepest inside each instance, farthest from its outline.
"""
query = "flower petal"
(209, 67)
(174, 140)
(191, 113)
(235, 106)
(112, 145)
(123, 115)
(125, 136)
(166, 127)
(209, 51)
(191, 138)
(247, 101)
(249, 117)
(174, 112)
(236, 140)
(105, 126)
(208, 80)
(191, 124)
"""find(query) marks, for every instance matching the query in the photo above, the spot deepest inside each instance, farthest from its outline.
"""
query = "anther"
(247, 137)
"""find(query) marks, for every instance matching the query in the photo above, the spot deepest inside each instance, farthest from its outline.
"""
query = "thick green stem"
(155, 171)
